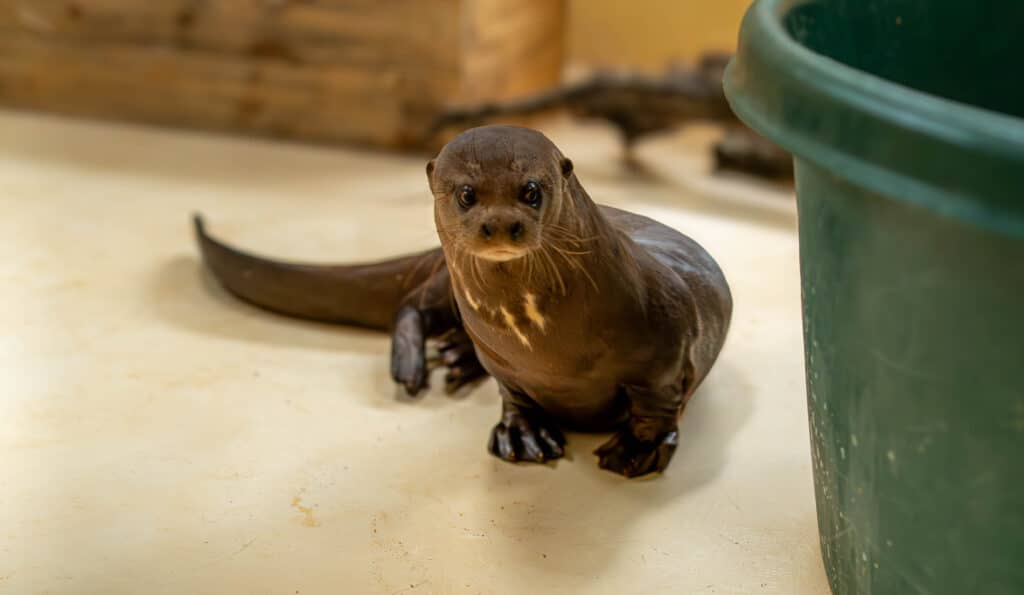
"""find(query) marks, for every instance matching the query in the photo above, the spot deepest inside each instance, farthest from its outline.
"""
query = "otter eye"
(466, 196)
(531, 194)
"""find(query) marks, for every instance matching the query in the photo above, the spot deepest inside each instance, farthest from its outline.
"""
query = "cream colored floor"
(158, 437)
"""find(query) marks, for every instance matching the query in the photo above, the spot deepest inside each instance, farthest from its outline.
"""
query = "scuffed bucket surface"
(904, 117)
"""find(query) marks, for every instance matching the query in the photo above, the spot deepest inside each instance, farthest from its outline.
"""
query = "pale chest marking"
(512, 326)
(506, 317)
(472, 302)
(530, 306)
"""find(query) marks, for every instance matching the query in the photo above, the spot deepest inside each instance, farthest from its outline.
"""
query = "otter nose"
(515, 229)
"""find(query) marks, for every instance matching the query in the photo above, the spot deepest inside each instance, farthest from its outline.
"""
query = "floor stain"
(308, 520)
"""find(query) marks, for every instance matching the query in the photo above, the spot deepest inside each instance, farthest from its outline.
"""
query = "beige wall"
(649, 33)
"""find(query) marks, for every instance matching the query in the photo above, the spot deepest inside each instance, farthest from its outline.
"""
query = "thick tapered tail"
(365, 295)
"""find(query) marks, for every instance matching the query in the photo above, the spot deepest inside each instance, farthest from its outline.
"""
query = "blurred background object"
(638, 106)
(354, 71)
(388, 74)
(647, 35)
(663, 38)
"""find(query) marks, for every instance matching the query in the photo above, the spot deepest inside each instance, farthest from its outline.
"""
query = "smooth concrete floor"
(156, 436)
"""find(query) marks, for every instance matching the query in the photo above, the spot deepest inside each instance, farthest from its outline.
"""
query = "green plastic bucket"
(905, 120)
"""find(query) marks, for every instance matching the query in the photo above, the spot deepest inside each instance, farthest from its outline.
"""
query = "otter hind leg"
(525, 434)
(631, 456)
(650, 437)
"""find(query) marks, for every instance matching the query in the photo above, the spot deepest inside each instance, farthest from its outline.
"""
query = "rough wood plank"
(368, 71)
(373, 34)
(503, 37)
(184, 88)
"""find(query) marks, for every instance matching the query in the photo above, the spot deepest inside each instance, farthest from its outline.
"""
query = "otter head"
(495, 187)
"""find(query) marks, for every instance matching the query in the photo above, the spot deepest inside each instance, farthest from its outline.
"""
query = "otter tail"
(364, 295)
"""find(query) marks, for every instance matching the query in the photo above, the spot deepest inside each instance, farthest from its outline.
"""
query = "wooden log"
(369, 72)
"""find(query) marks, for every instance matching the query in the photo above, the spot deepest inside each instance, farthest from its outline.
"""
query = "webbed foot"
(627, 455)
(526, 436)
(459, 356)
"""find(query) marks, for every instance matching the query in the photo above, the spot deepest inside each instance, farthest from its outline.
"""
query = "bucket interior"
(969, 52)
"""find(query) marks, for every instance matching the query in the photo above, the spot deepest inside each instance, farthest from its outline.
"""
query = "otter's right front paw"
(408, 353)
(519, 437)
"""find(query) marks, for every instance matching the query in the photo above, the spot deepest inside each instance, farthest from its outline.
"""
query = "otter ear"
(430, 175)
(566, 167)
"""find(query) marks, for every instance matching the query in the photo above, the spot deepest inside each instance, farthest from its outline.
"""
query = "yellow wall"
(650, 33)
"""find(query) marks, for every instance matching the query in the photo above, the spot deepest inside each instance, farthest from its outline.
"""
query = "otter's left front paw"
(627, 455)
(458, 354)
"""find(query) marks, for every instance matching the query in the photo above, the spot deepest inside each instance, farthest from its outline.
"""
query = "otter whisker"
(554, 268)
(547, 278)
(569, 251)
(470, 279)
(566, 234)
(529, 267)
(574, 263)
(572, 252)
(476, 271)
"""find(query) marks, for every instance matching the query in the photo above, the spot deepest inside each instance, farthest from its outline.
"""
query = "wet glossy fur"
(603, 320)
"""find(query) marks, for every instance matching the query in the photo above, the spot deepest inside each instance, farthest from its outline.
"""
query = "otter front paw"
(629, 456)
(408, 352)
(520, 437)
(459, 356)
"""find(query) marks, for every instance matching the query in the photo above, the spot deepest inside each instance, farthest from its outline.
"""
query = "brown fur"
(603, 320)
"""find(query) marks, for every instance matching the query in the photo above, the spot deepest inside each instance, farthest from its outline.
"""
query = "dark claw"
(628, 456)
(452, 356)
(456, 347)
(464, 375)
(522, 438)
(458, 354)
(553, 442)
(501, 443)
(531, 448)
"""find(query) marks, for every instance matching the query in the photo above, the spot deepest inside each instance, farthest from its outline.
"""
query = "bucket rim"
(773, 78)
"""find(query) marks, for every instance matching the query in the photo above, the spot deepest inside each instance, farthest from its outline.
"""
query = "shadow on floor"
(600, 507)
(184, 294)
